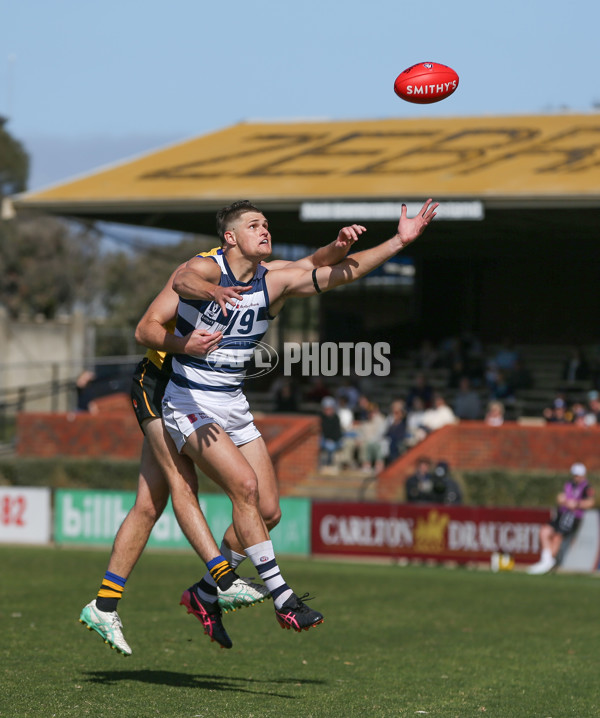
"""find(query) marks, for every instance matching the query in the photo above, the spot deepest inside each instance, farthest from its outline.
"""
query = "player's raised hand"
(229, 295)
(348, 235)
(200, 342)
(411, 228)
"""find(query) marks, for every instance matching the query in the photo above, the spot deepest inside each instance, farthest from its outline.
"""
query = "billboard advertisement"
(438, 532)
(93, 517)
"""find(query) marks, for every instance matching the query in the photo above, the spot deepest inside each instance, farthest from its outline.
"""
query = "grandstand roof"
(313, 169)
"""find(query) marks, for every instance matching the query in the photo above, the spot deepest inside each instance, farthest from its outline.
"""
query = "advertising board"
(439, 532)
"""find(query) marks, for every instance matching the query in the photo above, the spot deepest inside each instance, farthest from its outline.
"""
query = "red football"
(426, 82)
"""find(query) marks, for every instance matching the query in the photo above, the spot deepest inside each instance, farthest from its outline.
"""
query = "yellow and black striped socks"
(110, 592)
(221, 572)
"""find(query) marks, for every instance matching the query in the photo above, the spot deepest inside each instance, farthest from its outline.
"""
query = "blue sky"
(85, 84)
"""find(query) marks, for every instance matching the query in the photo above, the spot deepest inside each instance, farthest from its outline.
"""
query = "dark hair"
(230, 214)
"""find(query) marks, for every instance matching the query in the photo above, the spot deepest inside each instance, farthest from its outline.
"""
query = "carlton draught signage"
(428, 532)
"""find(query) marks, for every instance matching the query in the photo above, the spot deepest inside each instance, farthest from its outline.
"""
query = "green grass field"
(395, 642)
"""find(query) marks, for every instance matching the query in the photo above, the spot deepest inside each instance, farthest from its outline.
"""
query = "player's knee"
(246, 489)
(271, 515)
(150, 511)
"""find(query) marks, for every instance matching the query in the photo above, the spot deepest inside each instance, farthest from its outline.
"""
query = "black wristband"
(314, 278)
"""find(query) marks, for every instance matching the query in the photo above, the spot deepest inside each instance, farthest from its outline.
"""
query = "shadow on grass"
(191, 680)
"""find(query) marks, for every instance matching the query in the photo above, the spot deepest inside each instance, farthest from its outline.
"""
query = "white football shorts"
(183, 415)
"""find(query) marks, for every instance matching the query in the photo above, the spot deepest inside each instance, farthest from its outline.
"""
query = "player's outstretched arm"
(331, 253)
(298, 282)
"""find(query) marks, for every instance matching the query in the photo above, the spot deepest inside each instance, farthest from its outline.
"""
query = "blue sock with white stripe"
(263, 558)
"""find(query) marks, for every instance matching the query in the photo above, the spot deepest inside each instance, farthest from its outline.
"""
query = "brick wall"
(294, 447)
(110, 430)
(472, 445)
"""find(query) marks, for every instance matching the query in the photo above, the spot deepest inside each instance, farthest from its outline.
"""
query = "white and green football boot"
(107, 625)
(243, 592)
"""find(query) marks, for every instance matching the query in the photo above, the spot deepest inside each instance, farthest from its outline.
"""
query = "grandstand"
(515, 234)
(513, 252)
(545, 362)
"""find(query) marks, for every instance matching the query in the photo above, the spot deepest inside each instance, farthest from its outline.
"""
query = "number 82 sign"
(24, 515)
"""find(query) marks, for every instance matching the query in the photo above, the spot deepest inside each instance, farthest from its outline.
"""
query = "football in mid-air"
(426, 82)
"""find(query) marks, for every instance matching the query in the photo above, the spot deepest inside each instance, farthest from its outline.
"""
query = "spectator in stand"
(494, 415)
(558, 412)
(500, 386)
(507, 357)
(84, 390)
(371, 446)
(350, 392)
(347, 455)
(445, 488)
(467, 402)
(361, 413)
(331, 430)
(420, 388)
(415, 431)
(578, 413)
(576, 497)
(419, 486)
(439, 415)
(592, 415)
(562, 412)
(576, 367)
(396, 430)
(346, 414)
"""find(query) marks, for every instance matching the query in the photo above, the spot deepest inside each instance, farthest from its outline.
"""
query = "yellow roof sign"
(495, 159)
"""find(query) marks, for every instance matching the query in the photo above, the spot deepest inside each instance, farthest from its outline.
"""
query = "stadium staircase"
(342, 485)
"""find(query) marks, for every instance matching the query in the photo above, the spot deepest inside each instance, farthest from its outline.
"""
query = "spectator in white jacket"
(439, 415)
